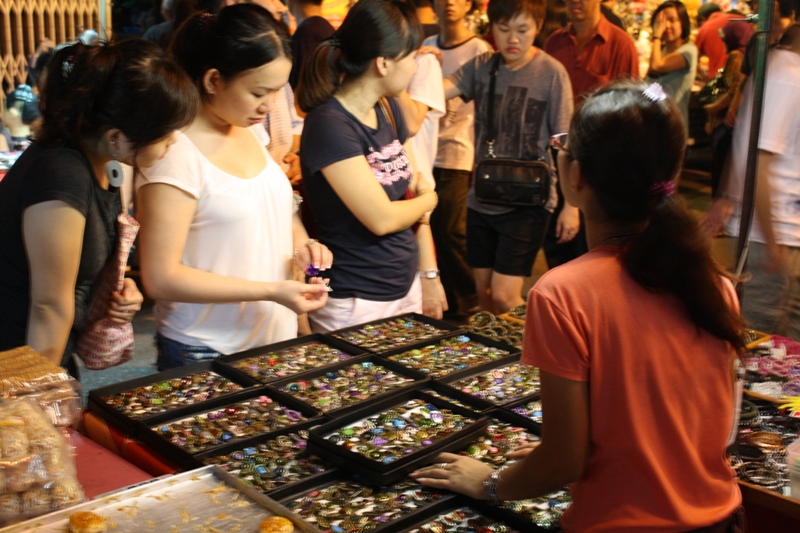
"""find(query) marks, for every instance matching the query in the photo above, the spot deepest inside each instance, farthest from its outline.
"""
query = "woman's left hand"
(434, 301)
(313, 253)
(568, 224)
(126, 303)
(456, 473)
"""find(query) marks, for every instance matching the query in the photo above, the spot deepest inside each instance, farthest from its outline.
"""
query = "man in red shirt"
(594, 52)
(708, 41)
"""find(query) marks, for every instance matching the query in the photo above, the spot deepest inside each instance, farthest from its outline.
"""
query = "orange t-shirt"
(660, 393)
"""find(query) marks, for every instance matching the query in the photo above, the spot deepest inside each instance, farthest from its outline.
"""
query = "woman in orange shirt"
(635, 341)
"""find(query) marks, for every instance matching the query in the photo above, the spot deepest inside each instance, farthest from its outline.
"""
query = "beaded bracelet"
(490, 484)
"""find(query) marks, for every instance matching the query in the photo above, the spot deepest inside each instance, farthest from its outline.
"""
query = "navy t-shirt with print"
(364, 265)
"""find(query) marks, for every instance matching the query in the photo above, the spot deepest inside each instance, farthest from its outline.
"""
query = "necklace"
(349, 106)
(616, 238)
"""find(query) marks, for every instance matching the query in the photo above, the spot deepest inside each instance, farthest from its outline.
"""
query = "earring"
(114, 171)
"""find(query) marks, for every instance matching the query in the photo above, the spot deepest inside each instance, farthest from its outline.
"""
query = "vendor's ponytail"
(629, 141)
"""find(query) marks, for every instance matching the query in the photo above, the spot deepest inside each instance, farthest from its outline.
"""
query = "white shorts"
(341, 313)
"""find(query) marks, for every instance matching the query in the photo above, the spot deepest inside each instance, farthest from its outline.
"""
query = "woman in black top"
(57, 209)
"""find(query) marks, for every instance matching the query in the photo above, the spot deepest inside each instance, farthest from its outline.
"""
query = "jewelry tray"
(383, 473)
(473, 372)
(446, 328)
(347, 348)
(148, 430)
(126, 424)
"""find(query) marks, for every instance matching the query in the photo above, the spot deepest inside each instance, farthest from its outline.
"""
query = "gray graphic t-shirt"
(531, 104)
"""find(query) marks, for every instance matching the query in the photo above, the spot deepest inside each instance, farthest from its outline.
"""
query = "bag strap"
(491, 132)
(387, 111)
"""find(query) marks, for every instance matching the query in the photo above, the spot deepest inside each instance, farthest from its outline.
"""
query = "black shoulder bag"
(506, 181)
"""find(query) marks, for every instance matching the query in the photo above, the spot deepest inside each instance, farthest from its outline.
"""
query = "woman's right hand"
(299, 297)
(430, 197)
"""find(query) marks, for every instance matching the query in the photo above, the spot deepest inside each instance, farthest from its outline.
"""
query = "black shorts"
(506, 243)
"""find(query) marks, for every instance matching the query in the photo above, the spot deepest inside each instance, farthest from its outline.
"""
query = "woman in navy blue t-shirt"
(356, 170)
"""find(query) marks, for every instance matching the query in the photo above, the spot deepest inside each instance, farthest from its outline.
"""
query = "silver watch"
(429, 274)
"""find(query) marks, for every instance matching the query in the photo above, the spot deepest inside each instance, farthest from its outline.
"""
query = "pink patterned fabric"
(104, 343)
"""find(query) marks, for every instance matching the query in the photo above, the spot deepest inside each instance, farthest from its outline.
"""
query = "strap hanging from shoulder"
(491, 131)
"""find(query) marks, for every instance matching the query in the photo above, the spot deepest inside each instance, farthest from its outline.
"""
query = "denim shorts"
(174, 354)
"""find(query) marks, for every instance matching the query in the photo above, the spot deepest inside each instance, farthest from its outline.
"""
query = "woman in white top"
(219, 222)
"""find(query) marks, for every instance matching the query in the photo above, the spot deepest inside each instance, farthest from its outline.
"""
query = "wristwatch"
(429, 274)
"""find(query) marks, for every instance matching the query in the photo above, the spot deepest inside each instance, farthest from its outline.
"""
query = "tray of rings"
(336, 504)
(202, 500)
(347, 384)
(456, 355)
(462, 399)
(527, 408)
(290, 358)
(179, 390)
(501, 328)
(389, 438)
(225, 420)
(271, 462)
(505, 432)
(394, 332)
(501, 382)
(463, 514)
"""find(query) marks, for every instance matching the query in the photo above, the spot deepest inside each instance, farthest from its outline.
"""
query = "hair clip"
(66, 67)
(655, 93)
(662, 188)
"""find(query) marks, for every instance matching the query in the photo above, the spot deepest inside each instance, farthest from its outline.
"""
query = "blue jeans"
(174, 354)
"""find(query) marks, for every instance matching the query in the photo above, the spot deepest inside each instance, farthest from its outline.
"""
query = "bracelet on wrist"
(490, 484)
(656, 39)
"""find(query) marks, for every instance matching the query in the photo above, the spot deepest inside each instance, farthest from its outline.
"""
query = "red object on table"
(101, 471)
(130, 449)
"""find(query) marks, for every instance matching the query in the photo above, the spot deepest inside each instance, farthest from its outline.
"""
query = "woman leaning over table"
(635, 341)
(356, 169)
(120, 101)
(219, 222)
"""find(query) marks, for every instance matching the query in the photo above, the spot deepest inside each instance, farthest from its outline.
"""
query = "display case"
(177, 391)
(380, 336)
(336, 388)
(290, 358)
(226, 420)
(386, 440)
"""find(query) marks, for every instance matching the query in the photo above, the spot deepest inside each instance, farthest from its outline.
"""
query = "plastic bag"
(37, 470)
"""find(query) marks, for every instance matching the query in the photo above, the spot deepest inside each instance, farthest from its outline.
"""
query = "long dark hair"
(372, 28)
(630, 148)
(238, 38)
(130, 85)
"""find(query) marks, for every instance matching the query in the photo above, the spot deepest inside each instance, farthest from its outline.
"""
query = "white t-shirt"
(780, 134)
(427, 87)
(456, 132)
(242, 228)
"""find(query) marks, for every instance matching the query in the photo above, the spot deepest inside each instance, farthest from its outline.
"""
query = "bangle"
(490, 484)
(656, 39)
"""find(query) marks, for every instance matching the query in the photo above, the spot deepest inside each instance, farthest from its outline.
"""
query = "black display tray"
(438, 324)
(444, 507)
(471, 372)
(455, 374)
(126, 424)
(471, 402)
(289, 494)
(509, 406)
(342, 346)
(397, 368)
(312, 480)
(185, 459)
(379, 473)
